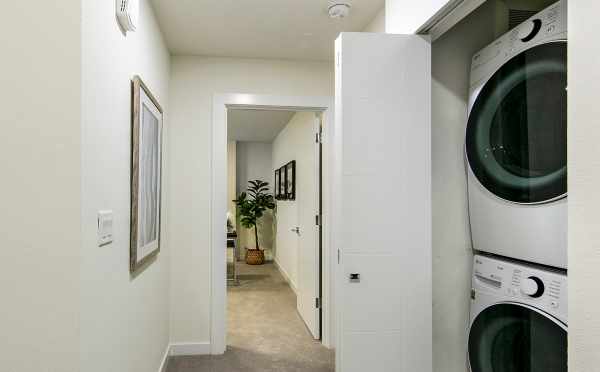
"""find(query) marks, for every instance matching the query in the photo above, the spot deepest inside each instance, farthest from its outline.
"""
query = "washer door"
(516, 141)
(514, 338)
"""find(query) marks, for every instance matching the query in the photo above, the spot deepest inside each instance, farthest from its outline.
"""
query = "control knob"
(532, 287)
(528, 30)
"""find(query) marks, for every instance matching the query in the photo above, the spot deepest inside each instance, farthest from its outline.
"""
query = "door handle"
(354, 278)
(296, 230)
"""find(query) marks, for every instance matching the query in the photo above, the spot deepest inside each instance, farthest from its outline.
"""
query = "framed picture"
(290, 180)
(282, 178)
(146, 158)
(276, 184)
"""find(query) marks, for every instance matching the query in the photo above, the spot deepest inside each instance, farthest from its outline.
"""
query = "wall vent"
(518, 16)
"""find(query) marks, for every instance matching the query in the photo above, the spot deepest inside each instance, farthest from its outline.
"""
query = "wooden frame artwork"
(282, 178)
(290, 180)
(146, 160)
(276, 184)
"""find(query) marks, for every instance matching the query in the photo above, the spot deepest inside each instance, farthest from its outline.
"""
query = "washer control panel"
(549, 24)
(546, 289)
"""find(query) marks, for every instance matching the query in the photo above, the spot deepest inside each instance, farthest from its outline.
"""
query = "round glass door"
(514, 338)
(516, 140)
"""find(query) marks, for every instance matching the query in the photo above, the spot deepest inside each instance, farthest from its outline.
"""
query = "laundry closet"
(495, 306)
(529, 225)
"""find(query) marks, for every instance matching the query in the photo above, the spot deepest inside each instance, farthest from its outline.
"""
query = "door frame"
(218, 205)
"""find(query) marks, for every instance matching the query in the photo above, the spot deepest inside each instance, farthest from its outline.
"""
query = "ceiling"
(281, 29)
(256, 125)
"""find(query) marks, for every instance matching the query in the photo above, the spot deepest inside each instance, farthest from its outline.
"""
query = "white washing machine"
(516, 142)
(518, 318)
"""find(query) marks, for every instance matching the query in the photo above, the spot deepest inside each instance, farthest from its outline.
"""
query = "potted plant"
(251, 207)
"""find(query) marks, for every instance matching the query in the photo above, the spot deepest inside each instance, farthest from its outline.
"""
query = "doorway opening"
(288, 300)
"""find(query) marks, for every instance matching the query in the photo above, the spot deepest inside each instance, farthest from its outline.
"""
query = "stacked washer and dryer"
(516, 151)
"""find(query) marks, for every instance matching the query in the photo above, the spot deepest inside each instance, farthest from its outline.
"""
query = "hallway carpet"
(265, 333)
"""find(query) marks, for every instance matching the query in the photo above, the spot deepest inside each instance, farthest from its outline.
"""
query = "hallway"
(265, 333)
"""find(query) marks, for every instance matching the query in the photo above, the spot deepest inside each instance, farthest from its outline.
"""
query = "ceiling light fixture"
(339, 9)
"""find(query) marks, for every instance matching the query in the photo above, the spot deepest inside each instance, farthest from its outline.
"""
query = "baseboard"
(198, 348)
(165, 359)
(181, 349)
(285, 276)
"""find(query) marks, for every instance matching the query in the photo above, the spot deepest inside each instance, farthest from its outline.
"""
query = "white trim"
(181, 349)
(165, 359)
(190, 348)
(286, 276)
(447, 17)
(218, 206)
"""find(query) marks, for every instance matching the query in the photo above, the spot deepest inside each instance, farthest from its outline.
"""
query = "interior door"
(307, 199)
(382, 203)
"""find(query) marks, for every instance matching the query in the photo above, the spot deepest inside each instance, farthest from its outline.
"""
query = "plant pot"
(255, 257)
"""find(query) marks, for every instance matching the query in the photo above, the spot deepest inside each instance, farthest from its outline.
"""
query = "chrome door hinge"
(317, 137)
(317, 220)
(338, 256)
(318, 303)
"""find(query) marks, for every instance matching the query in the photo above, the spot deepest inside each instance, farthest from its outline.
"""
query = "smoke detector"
(128, 13)
(339, 8)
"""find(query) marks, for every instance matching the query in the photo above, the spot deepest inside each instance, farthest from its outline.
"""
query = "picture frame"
(282, 179)
(146, 175)
(276, 184)
(290, 180)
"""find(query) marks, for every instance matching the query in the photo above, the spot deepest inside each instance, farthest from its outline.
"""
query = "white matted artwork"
(146, 158)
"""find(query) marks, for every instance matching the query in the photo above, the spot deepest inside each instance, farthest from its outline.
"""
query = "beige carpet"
(265, 333)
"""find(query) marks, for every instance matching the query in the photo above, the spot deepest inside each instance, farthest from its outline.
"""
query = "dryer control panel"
(545, 289)
(549, 24)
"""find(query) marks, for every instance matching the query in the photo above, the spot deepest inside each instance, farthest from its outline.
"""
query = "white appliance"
(515, 142)
(518, 318)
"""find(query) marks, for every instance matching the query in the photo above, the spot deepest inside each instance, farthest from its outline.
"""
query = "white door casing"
(307, 199)
(382, 203)
(218, 295)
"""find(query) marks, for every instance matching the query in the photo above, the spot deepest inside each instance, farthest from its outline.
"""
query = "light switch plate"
(105, 227)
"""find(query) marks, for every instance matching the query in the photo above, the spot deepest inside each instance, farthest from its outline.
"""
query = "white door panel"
(389, 356)
(361, 136)
(378, 275)
(383, 221)
(307, 198)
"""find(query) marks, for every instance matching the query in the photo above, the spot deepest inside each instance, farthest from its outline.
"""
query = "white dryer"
(518, 318)
(516, 142)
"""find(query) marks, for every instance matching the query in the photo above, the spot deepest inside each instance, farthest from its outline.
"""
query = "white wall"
(287, 147)
(124, 319)
(40, 149)
(452, 257)
(194, 81)
(406, 16)
(378, 23)
(254, 161)
(584, 183)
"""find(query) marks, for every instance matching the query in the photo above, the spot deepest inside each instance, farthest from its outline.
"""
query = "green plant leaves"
(252, 205)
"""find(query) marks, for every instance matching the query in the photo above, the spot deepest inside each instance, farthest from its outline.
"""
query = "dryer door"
(509, 337)
(516, 140)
